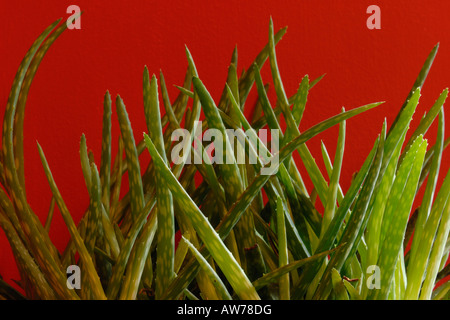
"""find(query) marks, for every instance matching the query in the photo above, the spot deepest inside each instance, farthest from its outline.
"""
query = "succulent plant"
(245, 229)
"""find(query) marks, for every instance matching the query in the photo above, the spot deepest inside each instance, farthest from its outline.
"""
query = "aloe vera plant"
(249, 229)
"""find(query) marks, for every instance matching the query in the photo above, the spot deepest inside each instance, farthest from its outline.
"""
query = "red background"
(117, 38)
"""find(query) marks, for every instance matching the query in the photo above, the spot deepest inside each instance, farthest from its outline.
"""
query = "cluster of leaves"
(244, 234)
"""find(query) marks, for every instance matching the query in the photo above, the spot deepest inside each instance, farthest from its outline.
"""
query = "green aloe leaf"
(397, 213)
(180, 253)
(329, 167)
(105, 164)
(134, 171)
(301, 94)
(164, 204)
(215, 279)
(185, 91)
(116, 187)
(331, 203)
(378, 209)
(93, 223)
(420, 80)
(95, 207)
(50, 214)
(428, 119)
(338, 286)
(94, 280)
(45, 255)
(401, 125)
(270, 116)
(427, 200)
(282, 251)
(299, 103)
(352, 291)
(85, 164)
(21, 102)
